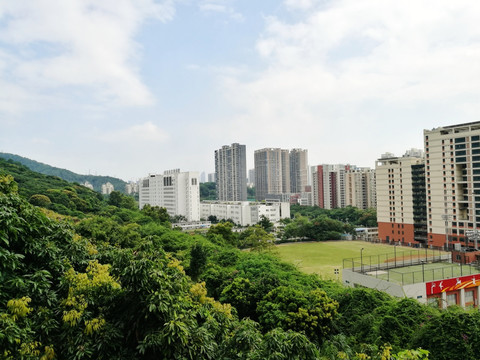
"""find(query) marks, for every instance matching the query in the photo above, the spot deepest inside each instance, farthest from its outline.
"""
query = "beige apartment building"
(453, 184)
(360, 188)
(401, 198)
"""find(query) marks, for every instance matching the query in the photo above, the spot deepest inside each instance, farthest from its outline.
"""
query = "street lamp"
(361, 259)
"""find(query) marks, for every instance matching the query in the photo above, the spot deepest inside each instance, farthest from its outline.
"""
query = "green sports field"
(323, 258)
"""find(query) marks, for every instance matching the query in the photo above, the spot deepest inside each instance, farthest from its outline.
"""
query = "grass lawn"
(323, 257)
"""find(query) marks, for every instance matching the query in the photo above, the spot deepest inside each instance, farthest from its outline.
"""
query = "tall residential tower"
(231, 172)
(453, 184)
(401, 207)
(298, 170)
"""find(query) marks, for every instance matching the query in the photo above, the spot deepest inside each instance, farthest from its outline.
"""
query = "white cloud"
(220, 6)
(49, 46)
(138, 135)
(350, 66)
(300, 4)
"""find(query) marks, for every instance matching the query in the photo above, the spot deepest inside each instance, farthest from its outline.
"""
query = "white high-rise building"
(178, 192)
(211, 177)
(131, 188)
(231, 172)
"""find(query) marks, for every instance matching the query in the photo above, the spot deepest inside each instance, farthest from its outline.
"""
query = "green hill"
(62, 196)
(67, 175)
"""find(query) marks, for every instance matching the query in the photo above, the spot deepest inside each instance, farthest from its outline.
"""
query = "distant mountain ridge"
(67, 175)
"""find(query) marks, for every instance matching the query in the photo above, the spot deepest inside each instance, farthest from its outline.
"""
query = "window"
(451, 299)
(469, 297)
(167, 181)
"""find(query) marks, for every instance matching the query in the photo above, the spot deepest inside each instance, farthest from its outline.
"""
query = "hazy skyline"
(131, 87)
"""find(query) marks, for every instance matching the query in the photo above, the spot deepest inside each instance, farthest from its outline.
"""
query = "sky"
(127, 88)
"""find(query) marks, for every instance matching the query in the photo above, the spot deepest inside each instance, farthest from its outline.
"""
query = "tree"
(265, 223)
(198, 260)
(177, 218)
(239, 294)
(256, 238)
(156, 213)
(8, 185)
(213, 219)
(116, 198)
(224, 230)
(452, 334)
(311, 313)
(40, 200)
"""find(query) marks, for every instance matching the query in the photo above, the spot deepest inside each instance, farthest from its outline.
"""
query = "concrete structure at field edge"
(178, 192)
(462, 290)
(401, 207)
(231, 172)
(453, 184)
(245, 213)
(416, 291)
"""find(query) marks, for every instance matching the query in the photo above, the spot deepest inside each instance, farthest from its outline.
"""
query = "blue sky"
(132, 87)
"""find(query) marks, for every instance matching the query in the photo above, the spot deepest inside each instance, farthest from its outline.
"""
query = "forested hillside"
(67, 175)
(122, 284)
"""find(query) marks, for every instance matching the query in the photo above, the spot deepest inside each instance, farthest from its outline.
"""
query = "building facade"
(211, 177)
(280, 171)
(453, 184)
(328, 185)
(360, 188)
(245, 213)
(231, 172)
(178, 192)
(400, 199)
(272, 172)
(298, 170)
(107, 188)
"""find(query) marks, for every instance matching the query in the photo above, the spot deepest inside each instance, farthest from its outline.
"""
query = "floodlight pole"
(423, 271)
(446, 217)
(395, 253)
(361, 260)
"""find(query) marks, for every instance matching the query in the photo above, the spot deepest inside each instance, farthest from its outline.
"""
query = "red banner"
(462, 282)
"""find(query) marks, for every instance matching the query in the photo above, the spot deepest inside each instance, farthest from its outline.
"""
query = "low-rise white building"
(107, 188)
(245, 213)
(88, 185)
(131, 188)
(178, 192)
